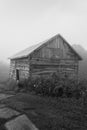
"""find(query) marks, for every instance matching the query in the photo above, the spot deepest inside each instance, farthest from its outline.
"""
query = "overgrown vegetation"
(55, 85)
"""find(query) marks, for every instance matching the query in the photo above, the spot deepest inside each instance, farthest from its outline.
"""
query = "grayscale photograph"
(43, 64)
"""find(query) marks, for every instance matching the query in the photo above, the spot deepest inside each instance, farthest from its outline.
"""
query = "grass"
(49, 113)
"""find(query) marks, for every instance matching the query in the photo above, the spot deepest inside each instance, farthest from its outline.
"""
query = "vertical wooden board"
(67, 51)
(52, 49)
(64, 47)
(54, 43)
(51, 44)
(44, 52)
(57, 49)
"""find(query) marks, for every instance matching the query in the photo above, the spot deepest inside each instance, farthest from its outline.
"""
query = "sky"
(27, 22)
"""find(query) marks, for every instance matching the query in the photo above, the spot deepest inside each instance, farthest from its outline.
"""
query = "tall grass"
(55, 85)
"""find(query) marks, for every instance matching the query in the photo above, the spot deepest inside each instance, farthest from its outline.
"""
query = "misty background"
(27, 22)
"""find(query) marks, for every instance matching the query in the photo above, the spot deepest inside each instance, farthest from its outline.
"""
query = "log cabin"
(54, 55)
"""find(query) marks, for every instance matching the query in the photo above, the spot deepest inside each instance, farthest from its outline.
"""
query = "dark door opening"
(17, 74)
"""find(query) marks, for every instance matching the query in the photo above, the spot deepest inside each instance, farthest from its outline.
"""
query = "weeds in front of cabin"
(55, 86)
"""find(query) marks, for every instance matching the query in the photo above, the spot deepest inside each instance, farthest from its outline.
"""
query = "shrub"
(68, 92)
(77, 93)
(82, 85)
(44, 86)
(58, 91)
(55, 85)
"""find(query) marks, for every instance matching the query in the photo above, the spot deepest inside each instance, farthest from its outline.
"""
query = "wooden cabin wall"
(56, 56)
(22, 65)
(12, 72)
(48, 67)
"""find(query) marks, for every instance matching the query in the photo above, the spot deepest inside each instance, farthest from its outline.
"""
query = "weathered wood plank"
(57, 49)
(23, 67)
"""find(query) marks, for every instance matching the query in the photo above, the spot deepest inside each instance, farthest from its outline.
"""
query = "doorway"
(17, 74)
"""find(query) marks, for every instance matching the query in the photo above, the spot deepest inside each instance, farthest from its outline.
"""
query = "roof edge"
(45, 42)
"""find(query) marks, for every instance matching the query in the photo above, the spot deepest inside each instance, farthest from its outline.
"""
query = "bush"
(55, 85)
(58, 91)
(44, 86)
(41, 85)
(77, 93)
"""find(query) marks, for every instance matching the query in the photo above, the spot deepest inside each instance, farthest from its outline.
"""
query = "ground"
(49, 113)
(11, 119)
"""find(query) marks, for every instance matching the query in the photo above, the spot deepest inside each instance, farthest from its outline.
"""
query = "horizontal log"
(53, 66)
(54, 60)
(51, 62)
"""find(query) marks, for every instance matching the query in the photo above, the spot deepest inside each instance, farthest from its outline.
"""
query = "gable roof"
(31, 49)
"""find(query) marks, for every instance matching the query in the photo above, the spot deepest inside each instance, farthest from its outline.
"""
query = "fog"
(27, 22)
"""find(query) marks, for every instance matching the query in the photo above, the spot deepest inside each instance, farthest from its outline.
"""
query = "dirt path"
(11, 119)
(48, 113)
